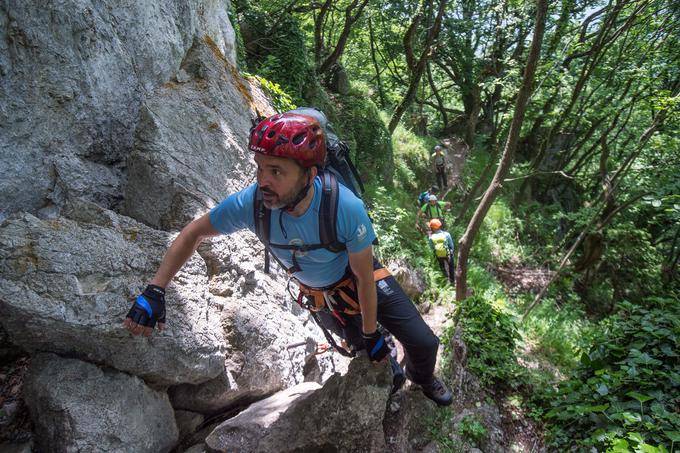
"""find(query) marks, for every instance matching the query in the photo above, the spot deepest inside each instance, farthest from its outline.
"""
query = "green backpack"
(440, 248)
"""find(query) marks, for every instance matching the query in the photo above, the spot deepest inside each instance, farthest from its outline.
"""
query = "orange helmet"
(435, 224)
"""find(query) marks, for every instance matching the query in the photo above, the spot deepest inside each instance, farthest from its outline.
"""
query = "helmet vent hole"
(312, 144)
(271, 134)
(298, 139)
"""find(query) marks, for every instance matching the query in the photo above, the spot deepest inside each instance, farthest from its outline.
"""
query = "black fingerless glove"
(376, 346)
(149, 307)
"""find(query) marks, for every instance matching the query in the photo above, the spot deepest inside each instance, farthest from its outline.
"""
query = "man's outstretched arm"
(184, 245)
(149, 307)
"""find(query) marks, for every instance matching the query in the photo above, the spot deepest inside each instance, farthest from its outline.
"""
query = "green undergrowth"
(491, 335)
(625, 393)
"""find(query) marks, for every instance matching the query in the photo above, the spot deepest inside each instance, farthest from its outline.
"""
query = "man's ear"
(313, 172)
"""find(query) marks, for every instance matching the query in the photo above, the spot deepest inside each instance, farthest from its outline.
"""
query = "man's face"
(280, 180)
(433, 202)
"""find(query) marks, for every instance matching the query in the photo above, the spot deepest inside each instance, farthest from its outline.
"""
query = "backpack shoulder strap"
(328, 213)
(262, 225)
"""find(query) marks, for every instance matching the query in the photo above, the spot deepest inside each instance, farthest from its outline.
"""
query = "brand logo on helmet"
(259, 149)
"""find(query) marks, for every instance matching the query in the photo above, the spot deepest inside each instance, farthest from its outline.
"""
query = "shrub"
(626, 391)
(490, 335)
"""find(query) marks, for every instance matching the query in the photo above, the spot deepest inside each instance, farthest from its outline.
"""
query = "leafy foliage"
(275, 48)
(471, 429)
(490, 335)
(365, 132)
(281, 101)
(626, 392)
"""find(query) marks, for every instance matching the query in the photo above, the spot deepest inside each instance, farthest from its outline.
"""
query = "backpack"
(423, 198)
(434, 212)
(441, 249)
(339, 169)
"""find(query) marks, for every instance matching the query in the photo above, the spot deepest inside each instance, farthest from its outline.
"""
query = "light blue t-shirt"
(320, 267)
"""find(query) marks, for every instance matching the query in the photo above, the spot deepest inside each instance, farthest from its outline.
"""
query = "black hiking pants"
(399, 316)
(440, 175)
(447, 267)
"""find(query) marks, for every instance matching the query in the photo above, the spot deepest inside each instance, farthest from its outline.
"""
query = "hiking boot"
(438, 392)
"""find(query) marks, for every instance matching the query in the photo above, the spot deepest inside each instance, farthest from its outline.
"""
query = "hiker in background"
(434, 209)
(425, 196)
(346, 283)
(441, 244)
(439, 163)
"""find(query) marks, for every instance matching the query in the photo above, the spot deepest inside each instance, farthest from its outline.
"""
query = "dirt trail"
(521, 432)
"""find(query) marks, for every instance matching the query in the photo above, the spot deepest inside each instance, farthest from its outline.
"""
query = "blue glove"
(148, 309)
(376, 346)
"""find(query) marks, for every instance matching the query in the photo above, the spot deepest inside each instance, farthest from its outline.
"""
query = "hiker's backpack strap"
(354, 170)
(328, 213)
(262, 225)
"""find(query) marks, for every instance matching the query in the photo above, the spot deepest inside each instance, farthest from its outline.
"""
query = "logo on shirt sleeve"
(362, 231)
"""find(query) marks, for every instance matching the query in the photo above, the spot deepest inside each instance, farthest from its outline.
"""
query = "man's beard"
(282, 201)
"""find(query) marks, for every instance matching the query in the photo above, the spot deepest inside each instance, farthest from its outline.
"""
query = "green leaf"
(632, 418)
(673, 435)
(598, 408)
(636, 437)
(639, 396)
(620, 446)
(646, 448)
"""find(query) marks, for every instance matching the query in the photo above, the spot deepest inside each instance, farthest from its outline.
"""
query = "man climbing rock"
(340, 279)
(441, 244)
(439, 163)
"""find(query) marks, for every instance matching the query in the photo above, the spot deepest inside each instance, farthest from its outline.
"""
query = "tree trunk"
(417, 67)
(350, 19)
(319, 20)
(466, 241)
(440, 101)
(371, 38)
(475, 188)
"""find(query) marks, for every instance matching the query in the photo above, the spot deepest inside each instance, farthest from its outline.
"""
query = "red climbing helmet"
(291, 135)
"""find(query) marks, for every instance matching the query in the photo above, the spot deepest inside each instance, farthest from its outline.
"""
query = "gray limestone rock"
(187, 422)
(268, 346)
(72, 78)
(77, 406)
(411, 280)
(66, 286)
(345, 415)
(408, 428)
(190, 146)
